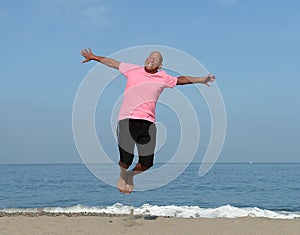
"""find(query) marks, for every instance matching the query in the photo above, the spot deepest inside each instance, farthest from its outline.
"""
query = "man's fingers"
(86, 54)
(209, 78)
(84, 51)
(210, 75)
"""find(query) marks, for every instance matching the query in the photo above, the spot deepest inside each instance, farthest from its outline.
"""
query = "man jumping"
(136, 120)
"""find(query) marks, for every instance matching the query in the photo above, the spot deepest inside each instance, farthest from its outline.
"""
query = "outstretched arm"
(183, 80)
(88, 55)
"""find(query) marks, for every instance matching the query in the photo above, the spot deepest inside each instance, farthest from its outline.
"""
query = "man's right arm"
(88, 55)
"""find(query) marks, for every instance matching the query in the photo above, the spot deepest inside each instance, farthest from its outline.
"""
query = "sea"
(229, 190)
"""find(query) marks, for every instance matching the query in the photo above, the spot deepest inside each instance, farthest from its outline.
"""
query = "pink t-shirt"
(142, 91)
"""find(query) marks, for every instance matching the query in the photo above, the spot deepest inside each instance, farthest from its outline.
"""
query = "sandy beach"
(131, 224)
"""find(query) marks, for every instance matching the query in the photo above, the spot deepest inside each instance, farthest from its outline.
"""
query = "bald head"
(153, 62)
(156, 54)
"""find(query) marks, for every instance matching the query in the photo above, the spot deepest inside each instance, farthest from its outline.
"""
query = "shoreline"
(95, 223)
(138, 216)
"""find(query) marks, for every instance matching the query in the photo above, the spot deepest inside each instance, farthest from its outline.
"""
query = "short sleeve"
(124, 68)
(171, 81)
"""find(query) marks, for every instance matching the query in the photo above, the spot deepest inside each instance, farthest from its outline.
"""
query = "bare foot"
(129, 181)
(122, 182)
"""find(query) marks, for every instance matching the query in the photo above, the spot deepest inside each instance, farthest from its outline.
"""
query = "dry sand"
(31, 224)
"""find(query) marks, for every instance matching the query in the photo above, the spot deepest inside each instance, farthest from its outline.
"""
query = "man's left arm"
(183, 80)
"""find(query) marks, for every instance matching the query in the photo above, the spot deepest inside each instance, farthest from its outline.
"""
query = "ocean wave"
(226, 211)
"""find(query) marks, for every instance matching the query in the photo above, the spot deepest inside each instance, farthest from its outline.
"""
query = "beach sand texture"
(14, 224)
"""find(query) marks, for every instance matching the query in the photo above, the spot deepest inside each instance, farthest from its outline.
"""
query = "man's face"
(153, 62)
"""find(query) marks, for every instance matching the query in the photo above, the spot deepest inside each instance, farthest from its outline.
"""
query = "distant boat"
(250, 162)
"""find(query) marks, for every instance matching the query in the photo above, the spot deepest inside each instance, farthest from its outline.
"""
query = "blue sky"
(251, 46)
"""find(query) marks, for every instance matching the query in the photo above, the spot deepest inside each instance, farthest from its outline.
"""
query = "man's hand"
(209, 78)
(87, 54)
(183, 80)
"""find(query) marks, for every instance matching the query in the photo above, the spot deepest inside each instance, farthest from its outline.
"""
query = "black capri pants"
(140, 133)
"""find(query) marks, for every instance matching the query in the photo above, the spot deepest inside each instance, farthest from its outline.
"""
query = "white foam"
(167, 211)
